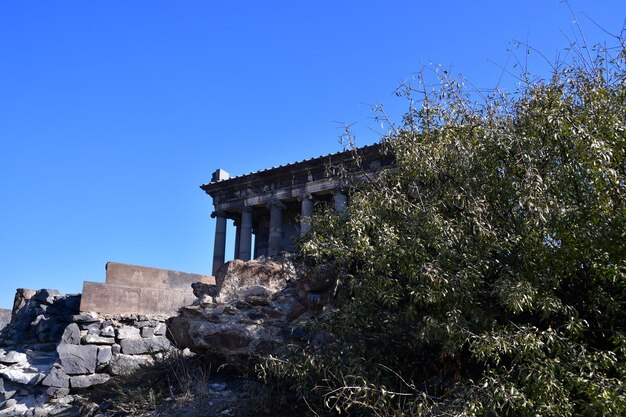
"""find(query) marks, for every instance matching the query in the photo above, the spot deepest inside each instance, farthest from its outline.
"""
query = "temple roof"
(369, 152)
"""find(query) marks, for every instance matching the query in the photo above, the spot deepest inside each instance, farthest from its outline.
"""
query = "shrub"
(486, 273)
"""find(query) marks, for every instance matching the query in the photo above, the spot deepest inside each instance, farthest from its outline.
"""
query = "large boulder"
(258, 308)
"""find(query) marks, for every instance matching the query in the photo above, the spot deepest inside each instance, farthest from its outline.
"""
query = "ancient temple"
(271, 206)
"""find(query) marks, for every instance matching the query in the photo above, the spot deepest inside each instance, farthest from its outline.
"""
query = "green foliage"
(486, 273)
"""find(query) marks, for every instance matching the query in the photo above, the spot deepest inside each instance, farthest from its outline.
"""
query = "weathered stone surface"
(71, 335)
(22, 376)
(142, 346)
(56, 378)
(87, 317)
(104, 357)
(13, 357)
(92, 339)
(160, 329)
(228, 340)
(260, 303)
(92, 328)
(237, 275)
(127, 364)
(108, 331)
(85, 381)
(78, 359)
(55, 392)
(128, 332)
(147, 332)
(5, 317)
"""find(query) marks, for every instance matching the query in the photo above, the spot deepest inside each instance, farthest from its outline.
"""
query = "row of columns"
(243, 238)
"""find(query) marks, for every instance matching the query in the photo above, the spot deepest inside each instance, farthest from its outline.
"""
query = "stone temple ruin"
(273, 205)
(56, 344)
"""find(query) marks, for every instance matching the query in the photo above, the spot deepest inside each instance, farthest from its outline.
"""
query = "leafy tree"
(486, 273)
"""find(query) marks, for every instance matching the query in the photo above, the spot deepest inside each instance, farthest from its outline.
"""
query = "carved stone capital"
(219, 213)
(306, 196)
(275, 203)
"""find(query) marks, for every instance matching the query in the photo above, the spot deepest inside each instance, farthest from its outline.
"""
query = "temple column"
(306, 210)
(219, 246)
(237, 241)
(341, 202)
(245, 237)
(276, 229)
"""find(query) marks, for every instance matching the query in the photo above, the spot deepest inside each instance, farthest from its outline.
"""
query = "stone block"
(86, 381)
(147, 332)
(128, 332)
(160, 329)
(22, 376)
(71, 335)
(13, 357)
(78, 359)
(143, 346)
(104, 357)
(92, 339)
(127, 364)
(57, 379)
(108, 331)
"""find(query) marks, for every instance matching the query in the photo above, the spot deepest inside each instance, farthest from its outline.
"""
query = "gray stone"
(5, 317)
(57, 392)
(141, 346)
(40, 412)
(77, 359)
(127, 364)
(22, 376)
(128, 332)
(104, 357)
(160, 329)
(46, 295)
(7, 394)
(56, 378)
(92, 339)
(71, 335)
(147, 332)
(14, 357)
(85, 381)
(116, 349)
(92, 328)
(107, 331)
(88, 317)
(10, 403)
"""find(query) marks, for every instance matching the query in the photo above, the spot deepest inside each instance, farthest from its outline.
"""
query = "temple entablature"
(270, 208)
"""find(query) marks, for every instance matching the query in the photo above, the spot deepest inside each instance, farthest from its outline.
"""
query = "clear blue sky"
(113, 113)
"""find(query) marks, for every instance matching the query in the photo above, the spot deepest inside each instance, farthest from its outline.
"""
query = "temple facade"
(271, 207)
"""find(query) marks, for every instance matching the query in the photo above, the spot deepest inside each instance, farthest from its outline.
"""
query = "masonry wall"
(141, 290)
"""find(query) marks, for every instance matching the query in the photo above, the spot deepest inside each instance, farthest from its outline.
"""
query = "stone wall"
(140, 290)
(95, 347)
(42, 378)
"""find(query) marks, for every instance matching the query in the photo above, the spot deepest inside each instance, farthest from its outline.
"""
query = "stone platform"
(140, 290)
